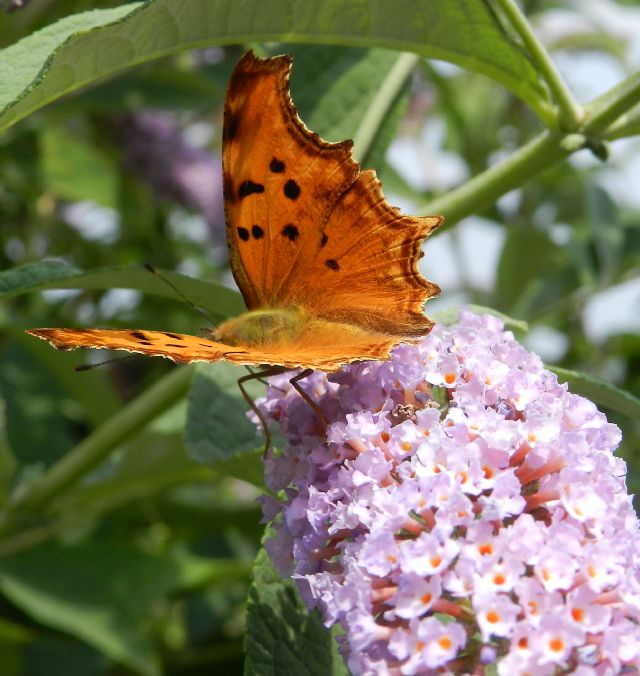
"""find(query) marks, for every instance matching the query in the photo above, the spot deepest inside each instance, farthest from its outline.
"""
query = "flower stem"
(571, 114)
(96, 447)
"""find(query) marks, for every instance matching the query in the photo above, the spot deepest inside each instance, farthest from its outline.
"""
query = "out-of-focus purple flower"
(493, 527)
(13, 5)
(155, 148)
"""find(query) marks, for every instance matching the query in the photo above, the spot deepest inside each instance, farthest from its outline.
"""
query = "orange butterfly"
(327, 268)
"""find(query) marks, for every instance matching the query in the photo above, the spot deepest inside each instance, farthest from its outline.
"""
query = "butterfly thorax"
(261, 327)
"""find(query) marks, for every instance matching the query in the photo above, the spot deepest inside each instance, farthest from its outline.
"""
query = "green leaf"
(218, 428)
(627, 125)
(282, 637)
(92, 390)
(450, 316)
(99, 592)
(219, 300)
(525, 253)
(351, 93)
(37, 429)
(74, 169)
(599, 391)
(81, 49)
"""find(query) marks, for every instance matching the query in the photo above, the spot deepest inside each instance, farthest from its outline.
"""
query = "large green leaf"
(527, 255)
(99, 592)
(81, 49)
(217, 425)
(74, 169)
(219, 300)
(37, 429)
(344, 92)
(282, 637)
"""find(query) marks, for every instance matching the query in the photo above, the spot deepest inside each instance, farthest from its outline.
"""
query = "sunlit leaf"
(81, 49)
(220, 301)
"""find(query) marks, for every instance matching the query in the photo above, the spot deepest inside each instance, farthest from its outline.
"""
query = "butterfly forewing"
(280, 180)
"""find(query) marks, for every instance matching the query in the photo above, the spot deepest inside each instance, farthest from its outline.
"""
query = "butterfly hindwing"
(367, 271)
(322, 346)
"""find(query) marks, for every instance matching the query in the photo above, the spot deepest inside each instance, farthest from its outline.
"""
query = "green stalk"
(539, 154)
(571, 114)
(381, 104)
(93, 450)
(485, 188)
(609, 107)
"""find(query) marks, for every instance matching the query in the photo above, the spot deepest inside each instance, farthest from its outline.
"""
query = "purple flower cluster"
(157, 150)
(461, 508)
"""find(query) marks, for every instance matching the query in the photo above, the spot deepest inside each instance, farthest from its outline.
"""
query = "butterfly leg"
(259, 375)
(314, 405)
(260, 378)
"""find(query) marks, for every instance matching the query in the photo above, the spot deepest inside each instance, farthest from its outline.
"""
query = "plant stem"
(485, 188)
(381, 104)
(96, 447)
(612, 105)
(571, 114)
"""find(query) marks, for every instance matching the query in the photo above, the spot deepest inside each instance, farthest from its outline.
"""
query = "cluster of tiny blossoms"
(461, 508)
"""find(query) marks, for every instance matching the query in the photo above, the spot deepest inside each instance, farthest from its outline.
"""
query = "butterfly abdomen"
(262, 327)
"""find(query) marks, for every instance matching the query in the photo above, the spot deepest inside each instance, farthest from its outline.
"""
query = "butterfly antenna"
(176, 290)
(88, 367)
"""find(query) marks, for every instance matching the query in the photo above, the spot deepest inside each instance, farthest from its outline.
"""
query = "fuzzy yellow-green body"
(262, 327)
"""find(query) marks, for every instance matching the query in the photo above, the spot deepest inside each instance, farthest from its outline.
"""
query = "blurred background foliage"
(143, 566)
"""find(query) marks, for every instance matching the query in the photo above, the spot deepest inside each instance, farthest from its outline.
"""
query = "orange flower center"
(445, 643)
(556, 644)
(493, 617)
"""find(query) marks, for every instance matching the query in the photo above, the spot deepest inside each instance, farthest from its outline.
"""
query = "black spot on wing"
(231, 126)
(138, 335)
(291, 189)
(227, 188)
(290, 232)
(175, 336)
(243, 234)
(332, 264)
(182, 347)
(257, 231)
(249, 188)
(324, 239)
(277, 166)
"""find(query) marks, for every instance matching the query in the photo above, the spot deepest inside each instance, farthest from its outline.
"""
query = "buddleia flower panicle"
(463, 509)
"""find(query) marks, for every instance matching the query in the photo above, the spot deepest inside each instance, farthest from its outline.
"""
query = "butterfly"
(327, 268)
